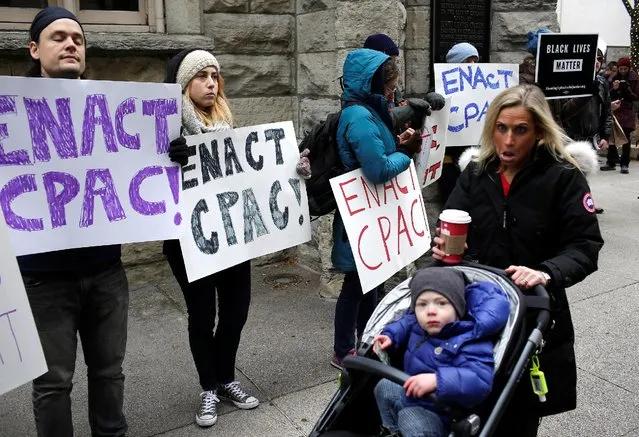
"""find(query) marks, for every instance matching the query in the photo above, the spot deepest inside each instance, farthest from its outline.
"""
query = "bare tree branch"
(628, 6)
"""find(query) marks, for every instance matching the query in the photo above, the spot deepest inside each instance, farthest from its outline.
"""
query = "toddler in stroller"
(353, 412)
(448, 347)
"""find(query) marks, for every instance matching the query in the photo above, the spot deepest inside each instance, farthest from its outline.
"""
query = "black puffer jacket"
(547, 222)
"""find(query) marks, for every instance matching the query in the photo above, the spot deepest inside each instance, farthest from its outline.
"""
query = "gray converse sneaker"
(207, 413)
(235, 393)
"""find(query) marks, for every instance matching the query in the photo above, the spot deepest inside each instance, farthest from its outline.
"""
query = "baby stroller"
(352, 412)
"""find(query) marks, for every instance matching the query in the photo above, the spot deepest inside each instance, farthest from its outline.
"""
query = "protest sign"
(471, 87)
(21, 356)
(243, 197)
(84, 163)
(385, 223)
(430, 160)
(566, 64)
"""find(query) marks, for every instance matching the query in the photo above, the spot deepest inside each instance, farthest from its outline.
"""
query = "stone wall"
(255, 42)
(512, 20)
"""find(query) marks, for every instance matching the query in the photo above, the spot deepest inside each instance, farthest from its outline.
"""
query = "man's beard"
(67, 75)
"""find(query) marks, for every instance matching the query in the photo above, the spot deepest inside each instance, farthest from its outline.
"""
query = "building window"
(95, 15)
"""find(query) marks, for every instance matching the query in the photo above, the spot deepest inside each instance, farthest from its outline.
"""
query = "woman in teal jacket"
(365, 140)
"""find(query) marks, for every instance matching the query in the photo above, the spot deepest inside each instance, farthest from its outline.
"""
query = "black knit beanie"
(47, 16)
(448, 282)
(382, 43)
(174, 64)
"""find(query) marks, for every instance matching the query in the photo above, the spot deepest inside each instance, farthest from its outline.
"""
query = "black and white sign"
(566, 64)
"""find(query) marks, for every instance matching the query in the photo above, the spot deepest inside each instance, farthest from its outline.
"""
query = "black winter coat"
(585, 117)
(547, 223)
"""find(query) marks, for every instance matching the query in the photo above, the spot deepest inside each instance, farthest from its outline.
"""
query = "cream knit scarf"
(192, 125)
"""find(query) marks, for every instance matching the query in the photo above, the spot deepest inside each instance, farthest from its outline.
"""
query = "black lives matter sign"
(566, 64)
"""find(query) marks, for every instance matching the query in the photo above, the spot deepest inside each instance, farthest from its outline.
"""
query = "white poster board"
(242, 197)
(471, 87)
(386, 223)
(21, 356)
(84, 163)
(430, 160)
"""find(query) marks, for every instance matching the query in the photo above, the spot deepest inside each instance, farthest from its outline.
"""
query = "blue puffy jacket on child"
(461, 355)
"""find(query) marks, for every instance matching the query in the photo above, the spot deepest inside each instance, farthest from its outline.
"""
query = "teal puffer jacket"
(365, 138)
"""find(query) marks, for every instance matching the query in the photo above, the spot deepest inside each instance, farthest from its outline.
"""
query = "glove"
(179, 151)
(413, 114)
(303, 166)
(410, 143)
(436, 101)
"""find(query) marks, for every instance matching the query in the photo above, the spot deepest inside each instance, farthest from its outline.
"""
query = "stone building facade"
(281, 59)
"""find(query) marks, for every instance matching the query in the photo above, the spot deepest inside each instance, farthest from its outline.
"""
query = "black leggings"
(214, 350)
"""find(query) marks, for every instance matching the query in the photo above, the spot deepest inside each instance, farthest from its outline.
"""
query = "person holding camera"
(366, 139)
(624, 91)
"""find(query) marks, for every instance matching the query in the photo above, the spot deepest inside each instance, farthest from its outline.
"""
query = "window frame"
(143, 20)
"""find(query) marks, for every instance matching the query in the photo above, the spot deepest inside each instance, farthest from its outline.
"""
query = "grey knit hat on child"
(448, 282)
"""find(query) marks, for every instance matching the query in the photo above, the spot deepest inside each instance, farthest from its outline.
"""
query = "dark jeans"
(353, 309)
(95, 306)
(613, 154)
(214, 350)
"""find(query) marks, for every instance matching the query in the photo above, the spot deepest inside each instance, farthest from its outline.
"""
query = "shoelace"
(234, 389)
(209, 401)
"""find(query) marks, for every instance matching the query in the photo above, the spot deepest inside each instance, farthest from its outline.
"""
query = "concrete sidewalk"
(287, 344)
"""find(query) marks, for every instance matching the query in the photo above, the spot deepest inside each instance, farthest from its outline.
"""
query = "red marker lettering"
(346, 199)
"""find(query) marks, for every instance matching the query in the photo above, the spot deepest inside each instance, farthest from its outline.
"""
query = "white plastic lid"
(455, 216)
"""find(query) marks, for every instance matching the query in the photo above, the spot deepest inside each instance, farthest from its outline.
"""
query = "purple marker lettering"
(173, 173)
(98, 101)
(110, 200)
(17, 157)
(41, 121)
(161, 108)
(57, 201)
(25, 183)
(126, 140)
(140, 205)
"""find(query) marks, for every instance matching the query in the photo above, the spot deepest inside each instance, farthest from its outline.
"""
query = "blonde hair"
(531, 98)
(220, 111)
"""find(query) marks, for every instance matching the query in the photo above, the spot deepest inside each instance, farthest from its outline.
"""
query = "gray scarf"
(192, 125)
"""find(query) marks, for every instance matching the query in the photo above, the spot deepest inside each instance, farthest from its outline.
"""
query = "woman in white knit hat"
(206, 109)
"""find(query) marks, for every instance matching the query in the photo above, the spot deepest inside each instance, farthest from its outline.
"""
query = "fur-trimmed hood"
(581, 151)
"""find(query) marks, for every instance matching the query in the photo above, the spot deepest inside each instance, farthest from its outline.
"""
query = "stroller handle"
(371, 366)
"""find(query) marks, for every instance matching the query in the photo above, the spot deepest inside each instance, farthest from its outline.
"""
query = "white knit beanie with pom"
(192, 64)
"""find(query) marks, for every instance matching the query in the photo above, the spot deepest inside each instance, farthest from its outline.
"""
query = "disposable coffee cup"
(454, 230)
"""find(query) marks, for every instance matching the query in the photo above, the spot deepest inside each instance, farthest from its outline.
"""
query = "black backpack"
(325, 164)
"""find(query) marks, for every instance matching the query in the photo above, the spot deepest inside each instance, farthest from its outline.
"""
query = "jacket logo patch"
(589, 203)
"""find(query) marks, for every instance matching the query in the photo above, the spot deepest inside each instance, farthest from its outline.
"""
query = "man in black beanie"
(57, 45)
(75, 291)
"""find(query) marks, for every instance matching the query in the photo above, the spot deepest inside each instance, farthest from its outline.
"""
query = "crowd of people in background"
(85, 291)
